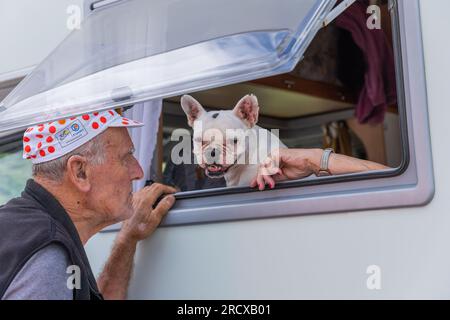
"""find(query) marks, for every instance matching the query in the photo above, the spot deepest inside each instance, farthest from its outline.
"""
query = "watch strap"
(324, 161)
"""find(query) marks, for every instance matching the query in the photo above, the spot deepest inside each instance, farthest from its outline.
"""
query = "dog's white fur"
(244, 116)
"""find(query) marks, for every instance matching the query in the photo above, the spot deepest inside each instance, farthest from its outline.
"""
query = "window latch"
(333, 14)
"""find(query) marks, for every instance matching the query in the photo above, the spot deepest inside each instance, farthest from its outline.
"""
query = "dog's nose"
(211, 155)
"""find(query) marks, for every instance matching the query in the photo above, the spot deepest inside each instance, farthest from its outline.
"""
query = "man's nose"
(136, 171)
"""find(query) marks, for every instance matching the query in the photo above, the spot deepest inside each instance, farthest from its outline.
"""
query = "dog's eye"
(235, 140)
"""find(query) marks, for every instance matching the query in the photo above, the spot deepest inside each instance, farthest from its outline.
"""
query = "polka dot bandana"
(45, 142)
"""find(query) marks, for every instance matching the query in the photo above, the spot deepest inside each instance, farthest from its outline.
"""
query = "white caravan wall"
(29, 31)
(317, 256)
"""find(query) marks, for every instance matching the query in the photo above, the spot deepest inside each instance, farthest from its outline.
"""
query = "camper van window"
(342, 95)
(14, 172)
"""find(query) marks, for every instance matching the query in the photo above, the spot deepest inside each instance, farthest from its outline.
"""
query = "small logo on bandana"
(71, 133)
(75, 127)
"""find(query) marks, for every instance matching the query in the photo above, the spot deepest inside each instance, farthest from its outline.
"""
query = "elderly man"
(83, 168)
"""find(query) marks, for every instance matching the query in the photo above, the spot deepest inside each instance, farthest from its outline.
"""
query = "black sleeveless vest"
(33, 221)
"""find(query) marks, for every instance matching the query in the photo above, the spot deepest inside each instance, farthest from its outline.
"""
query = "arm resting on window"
(291, 164)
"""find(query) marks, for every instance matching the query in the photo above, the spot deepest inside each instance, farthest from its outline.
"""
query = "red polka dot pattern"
(45, 142)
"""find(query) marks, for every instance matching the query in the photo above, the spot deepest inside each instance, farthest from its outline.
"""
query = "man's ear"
(247, 109)
(192, 108)
(76, 173)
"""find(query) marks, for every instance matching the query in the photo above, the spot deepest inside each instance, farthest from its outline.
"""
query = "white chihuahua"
(228, 143)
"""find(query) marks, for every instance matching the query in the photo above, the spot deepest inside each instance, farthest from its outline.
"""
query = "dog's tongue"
(214, 168)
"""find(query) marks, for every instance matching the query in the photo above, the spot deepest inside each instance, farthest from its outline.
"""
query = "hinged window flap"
(139, 50)
(337, 11)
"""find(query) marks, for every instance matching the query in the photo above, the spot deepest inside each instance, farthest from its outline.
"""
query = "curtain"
(145, 138)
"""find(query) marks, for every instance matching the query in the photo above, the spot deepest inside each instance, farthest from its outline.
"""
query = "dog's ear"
(192, 108)
(247, 109)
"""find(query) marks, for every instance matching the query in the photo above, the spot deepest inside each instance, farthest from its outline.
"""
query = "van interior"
(313, 106)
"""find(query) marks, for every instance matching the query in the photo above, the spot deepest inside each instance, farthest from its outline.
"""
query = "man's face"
(111, 192)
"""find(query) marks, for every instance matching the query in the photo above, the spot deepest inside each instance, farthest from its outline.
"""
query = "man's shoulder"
(43, 276)
(21, 206)
(26, 229)
(20, 213)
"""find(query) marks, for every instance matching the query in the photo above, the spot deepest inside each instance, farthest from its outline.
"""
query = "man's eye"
(128, 155)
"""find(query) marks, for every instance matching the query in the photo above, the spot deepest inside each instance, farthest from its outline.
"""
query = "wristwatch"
(324, 171)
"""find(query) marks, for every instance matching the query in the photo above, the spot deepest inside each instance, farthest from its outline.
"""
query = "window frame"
(410, 184)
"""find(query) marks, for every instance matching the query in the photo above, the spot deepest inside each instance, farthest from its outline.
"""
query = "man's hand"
(113, 281)
(145, 219)
(286, 164)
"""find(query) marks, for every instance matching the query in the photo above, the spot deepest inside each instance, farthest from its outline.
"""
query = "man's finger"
(163, 206)
(158, 187)
(156, 190)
